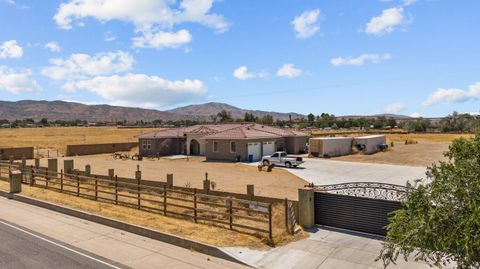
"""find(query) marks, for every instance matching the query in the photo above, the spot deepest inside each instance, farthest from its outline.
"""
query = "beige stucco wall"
(224, 153)
(200, 140)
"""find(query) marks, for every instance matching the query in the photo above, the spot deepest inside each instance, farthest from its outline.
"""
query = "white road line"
(59, 245)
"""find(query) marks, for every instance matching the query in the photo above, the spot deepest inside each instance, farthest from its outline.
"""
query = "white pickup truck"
(281, 158)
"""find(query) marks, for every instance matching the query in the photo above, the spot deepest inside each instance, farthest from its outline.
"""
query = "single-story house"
(229, 142)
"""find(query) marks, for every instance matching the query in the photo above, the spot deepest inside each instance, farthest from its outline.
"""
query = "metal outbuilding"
(330, 146)
(370, 144)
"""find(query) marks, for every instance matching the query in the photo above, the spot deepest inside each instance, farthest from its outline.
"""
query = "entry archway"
(194, 147)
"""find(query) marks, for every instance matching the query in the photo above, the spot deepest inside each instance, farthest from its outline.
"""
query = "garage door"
(268, 148)
(254, 150)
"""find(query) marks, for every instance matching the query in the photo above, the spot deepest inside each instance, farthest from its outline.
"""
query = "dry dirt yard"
(230, 177)
(428, 150)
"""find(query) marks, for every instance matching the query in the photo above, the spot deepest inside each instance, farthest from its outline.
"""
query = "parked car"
(281, 158)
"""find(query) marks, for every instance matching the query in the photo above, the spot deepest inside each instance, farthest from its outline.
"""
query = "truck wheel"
(288, 165)
(266, 163)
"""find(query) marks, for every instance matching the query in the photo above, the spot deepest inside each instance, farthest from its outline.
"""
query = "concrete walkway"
(324, 172)
(323, 249)
(115, 245)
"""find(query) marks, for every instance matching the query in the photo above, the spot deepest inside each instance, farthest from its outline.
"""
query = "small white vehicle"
(281, 158)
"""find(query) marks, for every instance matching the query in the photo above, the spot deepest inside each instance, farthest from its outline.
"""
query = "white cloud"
(243, 74)
(395, 107)
(453, 95)
(305, 25)
(386, 22)
(10, 49)
(53, 46)
(17, 81)
(409, 2)
(415, 115)
(151, 18)
(162, 39)
(140, 89)
(80, 66)
(360, 60)
(288, 70)
(109, 36)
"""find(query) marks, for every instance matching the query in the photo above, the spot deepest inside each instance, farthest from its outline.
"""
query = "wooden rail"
(228, 212)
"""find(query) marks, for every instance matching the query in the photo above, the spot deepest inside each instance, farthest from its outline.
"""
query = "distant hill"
(208, 109)
(62, 110)
(394, 116)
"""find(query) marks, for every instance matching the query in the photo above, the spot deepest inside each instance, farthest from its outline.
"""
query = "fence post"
(68, 166)
(96, 188)
(116, 189)
(251, 191)
(230, 213)
(286, 214)
(88, 170)
(46, 178)
(206, 184)
(138, 176)
(78, 185)
(53, 167)
(165, 200)
(61, 180)
(170, 181)
(195, 204)
(32, 177)
(270, 234)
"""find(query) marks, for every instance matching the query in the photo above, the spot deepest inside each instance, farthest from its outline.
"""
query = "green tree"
(440, 221)
(311, 117)
(249, 117)
(225, 116)
(267, 120)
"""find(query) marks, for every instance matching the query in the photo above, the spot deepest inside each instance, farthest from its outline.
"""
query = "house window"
(144, 144)
(215, 146)
(149, 144)
(233, 147)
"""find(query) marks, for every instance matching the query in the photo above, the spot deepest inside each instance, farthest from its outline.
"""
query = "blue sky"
(412, 57)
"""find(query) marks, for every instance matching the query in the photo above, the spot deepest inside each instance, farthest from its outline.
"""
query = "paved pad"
(323, 249)
(323, 172)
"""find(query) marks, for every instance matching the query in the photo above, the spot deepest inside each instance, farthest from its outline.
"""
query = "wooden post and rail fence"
(235, 214)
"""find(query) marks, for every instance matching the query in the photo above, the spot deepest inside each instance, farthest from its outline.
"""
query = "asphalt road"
(21, 248)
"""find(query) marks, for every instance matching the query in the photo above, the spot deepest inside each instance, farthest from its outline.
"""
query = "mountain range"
(62, 110)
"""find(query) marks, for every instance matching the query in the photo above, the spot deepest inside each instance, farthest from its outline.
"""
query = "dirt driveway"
(231, 177)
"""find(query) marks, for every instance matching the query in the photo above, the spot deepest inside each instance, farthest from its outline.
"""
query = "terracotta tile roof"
(166, 133)
(226, 131)
(241, 132)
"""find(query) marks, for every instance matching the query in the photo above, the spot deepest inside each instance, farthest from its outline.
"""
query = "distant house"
(226, 142)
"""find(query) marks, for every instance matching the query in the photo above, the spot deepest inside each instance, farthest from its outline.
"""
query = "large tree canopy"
(440, 222)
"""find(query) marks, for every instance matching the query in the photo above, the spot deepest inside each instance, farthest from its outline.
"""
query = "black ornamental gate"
(358, 206)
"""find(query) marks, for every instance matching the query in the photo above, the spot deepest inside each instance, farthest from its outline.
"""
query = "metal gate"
(362, 206)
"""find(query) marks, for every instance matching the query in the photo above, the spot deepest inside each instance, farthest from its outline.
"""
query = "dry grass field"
(57, 138)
